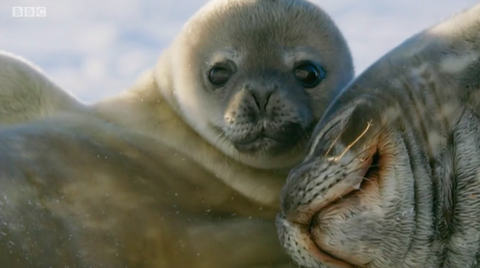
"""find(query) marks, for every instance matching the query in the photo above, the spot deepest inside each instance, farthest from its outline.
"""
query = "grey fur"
(417, 110)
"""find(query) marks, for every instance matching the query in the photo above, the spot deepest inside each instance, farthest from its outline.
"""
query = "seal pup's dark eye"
(219, 75)
(309, 74)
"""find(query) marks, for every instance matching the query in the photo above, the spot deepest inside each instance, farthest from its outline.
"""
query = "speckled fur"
(418, 108)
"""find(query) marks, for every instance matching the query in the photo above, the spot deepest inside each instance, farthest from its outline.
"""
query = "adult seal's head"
(391, 178)
(253, 77)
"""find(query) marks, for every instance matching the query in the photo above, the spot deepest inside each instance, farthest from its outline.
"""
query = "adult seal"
(185, 168)
(392, 175)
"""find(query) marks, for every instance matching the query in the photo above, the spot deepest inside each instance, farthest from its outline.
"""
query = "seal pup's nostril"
(261, 99)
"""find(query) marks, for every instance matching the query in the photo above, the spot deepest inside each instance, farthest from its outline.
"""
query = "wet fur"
(423, 102)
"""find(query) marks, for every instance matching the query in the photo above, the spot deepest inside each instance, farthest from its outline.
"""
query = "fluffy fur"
(152, 177)
(27, 94)
(392, 176)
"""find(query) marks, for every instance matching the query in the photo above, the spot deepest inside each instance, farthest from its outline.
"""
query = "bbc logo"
(29, 12)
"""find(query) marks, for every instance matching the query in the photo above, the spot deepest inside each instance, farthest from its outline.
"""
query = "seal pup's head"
(391, 174)
(253, 77)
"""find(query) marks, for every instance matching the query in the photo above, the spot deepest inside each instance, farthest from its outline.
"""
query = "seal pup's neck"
(146, 109)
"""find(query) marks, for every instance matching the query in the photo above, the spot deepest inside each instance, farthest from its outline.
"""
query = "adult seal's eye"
(309, 74)
(219, 75)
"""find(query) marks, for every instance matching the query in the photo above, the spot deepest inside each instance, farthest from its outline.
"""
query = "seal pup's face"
(253, 77)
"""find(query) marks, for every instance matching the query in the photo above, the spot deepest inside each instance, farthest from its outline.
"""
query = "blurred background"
(97, 48)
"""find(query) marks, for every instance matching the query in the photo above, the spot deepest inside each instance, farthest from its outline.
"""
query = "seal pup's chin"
(273, 143)
(261, 143)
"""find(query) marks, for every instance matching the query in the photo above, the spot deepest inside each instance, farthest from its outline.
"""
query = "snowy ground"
(96, 48)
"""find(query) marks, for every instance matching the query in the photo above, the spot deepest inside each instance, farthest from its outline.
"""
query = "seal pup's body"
(185, 168)
(392, 176)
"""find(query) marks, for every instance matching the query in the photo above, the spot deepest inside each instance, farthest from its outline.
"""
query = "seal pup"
(392, 177)
(185, 168)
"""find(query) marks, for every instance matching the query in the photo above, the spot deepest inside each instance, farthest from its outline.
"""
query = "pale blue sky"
(96, 48)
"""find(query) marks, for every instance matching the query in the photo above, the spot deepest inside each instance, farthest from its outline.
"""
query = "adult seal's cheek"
(351, 229)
